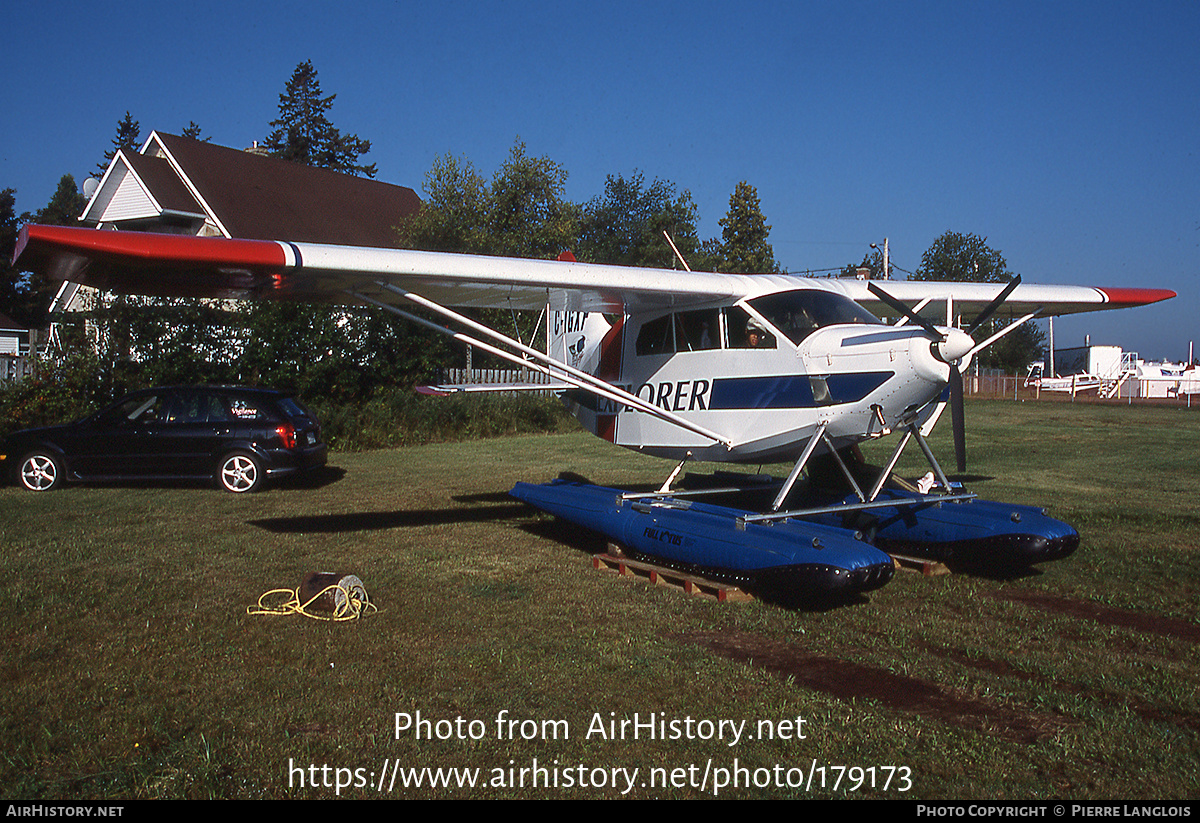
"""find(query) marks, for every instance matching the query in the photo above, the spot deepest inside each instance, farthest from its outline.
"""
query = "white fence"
(1164, 390)
(14, 367)
(494, 376)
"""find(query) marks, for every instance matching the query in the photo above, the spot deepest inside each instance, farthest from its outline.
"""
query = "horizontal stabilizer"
(443, 389)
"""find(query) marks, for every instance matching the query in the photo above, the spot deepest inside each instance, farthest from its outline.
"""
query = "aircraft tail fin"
(575, 339)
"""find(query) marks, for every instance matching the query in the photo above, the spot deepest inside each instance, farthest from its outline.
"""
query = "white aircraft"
(1074, 383)
(687, 365)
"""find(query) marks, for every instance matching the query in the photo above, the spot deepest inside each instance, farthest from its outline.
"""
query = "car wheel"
(40, 472)
(240, 473)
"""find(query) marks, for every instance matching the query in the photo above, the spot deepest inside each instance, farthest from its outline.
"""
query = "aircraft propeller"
(952, 346)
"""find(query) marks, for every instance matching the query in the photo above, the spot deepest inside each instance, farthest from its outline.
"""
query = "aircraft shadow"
(317, 479)
(377, 521)
(566, 534)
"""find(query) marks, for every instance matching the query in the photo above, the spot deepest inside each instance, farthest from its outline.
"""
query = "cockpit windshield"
(799, 313)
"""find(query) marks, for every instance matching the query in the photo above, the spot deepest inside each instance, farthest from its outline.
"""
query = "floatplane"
(744, 369)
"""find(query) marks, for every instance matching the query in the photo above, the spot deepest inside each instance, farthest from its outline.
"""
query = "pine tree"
(24, 296)
(129, 137)
(303, 133)
(194, 131)
(12, 285)
(64, 207)
(744, 248)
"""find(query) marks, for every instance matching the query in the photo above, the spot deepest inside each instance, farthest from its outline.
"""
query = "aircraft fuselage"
(765, 372)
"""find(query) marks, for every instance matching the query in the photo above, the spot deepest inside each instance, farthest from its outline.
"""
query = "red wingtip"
(150, 248)
(1136, 297)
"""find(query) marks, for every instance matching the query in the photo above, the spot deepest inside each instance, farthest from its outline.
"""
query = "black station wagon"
(240, 437)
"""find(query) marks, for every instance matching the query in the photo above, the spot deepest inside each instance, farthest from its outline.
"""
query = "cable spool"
(334, 596)
(330, 591)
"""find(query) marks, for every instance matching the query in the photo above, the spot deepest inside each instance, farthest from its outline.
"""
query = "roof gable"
(248, 195)
(9, 326)
(137, 187)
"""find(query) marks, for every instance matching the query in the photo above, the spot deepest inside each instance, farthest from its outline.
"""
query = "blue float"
(788, 560)
(967, 534)
(834, 552)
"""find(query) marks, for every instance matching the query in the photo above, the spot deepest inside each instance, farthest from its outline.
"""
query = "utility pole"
(886, 266)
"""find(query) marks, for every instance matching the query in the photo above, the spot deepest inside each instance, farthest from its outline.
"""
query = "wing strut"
(546, 364)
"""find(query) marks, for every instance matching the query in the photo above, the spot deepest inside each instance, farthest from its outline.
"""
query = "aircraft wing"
(185, 266)
(174, 265)
(971, 298)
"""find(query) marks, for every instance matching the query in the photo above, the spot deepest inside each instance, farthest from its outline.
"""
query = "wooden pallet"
(927, 568)
(668, 578)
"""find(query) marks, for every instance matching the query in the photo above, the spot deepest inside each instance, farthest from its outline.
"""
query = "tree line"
(520, 211)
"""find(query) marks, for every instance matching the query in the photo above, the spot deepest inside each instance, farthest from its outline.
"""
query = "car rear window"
(196, 407)
(294, 409)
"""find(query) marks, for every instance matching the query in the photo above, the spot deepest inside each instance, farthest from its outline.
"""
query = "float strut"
(941, 475)
(666, 487)
(791, 479)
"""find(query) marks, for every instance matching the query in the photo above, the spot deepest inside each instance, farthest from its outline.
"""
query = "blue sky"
(1065, 133)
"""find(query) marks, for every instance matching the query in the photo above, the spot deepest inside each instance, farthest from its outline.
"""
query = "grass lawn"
(132, 668)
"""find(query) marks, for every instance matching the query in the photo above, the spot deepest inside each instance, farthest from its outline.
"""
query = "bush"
(56, 392)
(79, 385)
(401, 417)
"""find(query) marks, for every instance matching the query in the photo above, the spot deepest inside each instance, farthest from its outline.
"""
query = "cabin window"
(746, 332)
(680, 332)
(656, 337)
(799, 313)
(698, 330)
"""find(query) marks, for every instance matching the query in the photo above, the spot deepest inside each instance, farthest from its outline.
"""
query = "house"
(14, 338)
(14, 346)
(179, 185)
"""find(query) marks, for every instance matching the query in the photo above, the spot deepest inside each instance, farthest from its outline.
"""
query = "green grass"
(133, 670)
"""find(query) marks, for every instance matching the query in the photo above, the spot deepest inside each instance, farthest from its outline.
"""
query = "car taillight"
(287, 433)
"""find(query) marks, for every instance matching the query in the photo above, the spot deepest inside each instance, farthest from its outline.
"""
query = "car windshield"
(799, 313)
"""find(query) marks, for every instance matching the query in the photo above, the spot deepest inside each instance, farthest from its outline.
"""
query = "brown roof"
(264, 198)
(169, 191)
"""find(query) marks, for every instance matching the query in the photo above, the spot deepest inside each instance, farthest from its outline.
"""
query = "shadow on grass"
(969, 478)
(314, 479)
(376, 521)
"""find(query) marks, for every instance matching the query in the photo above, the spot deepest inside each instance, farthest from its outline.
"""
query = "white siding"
(127, 200)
